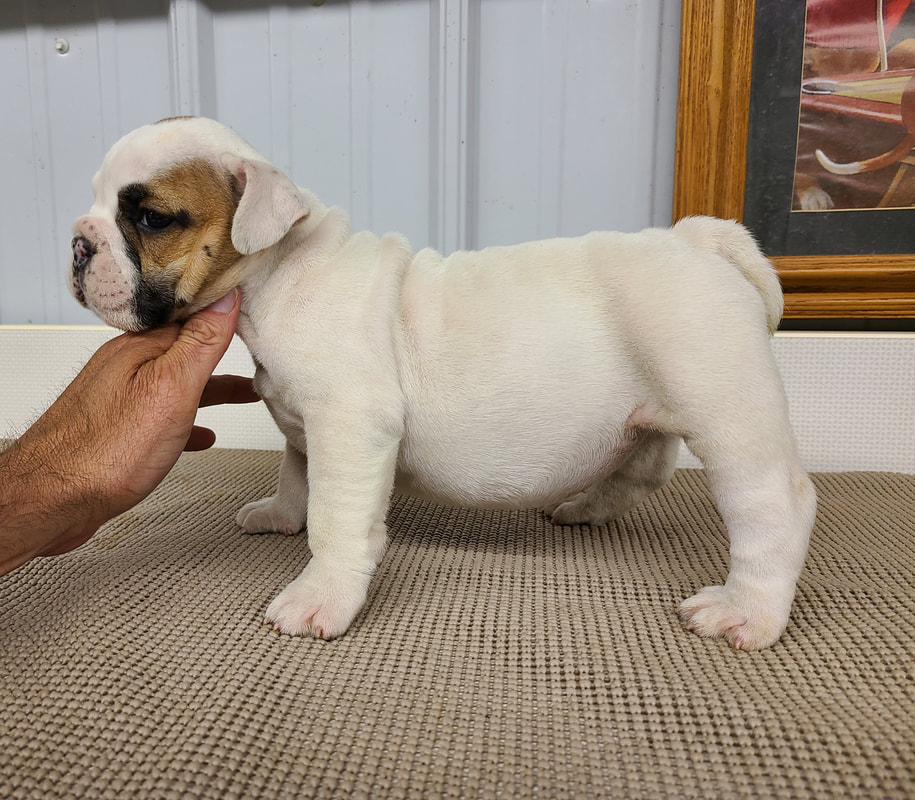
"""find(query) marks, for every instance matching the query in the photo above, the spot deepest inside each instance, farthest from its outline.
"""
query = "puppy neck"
(276, 272)
(314, 238)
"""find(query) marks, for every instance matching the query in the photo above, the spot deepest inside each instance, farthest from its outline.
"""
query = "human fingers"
(200, 439)
(131, 350)
(200, 344)
(228, 389)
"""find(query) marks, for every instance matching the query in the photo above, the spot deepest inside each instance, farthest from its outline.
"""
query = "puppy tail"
(727, 238)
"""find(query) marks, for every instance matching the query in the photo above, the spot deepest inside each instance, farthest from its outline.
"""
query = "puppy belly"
(510, 477)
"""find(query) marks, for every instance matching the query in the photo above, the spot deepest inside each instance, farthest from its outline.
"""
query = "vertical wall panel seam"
(205, 58)
(438, 121)
(552, 96)
(654, 114)
(41, 153)
(361, 113)
(108, 74)
(470, 133)
(454, 96)
(177, 43)
(436, 47)
(665, 117)
(279, 51)
(190, 24)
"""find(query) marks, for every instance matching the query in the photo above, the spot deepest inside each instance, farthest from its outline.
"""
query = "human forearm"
(41, 509)
(114, 433)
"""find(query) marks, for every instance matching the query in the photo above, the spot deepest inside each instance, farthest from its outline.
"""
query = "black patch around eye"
(130, 197)
(128, 233)
(133, 254)
(153, 305)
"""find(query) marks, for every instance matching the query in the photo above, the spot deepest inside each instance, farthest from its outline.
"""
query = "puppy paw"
(270, 514)
(567, 513)
(321, 602)
(580, 510)
(747, 624)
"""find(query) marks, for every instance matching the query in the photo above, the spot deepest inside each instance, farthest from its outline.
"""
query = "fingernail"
(225, 303)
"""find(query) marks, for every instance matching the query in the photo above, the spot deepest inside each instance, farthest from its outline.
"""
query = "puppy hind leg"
(648, 468)
(768, 505)
(285, 511)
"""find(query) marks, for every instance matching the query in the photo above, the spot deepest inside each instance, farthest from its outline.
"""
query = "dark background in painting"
(778, 52)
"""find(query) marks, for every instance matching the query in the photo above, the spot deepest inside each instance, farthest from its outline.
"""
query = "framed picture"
(797, 117)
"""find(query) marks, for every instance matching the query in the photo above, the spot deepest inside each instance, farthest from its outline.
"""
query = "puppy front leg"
(285, 511)
(351, 475)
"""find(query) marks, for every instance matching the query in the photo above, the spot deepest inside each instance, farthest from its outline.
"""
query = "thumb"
(204, 339)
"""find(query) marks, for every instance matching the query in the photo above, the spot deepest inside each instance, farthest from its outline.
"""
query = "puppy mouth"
(98, 284)
(83, 251)
(78, 293)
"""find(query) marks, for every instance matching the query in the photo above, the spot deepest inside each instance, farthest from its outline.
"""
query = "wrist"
(38, 504)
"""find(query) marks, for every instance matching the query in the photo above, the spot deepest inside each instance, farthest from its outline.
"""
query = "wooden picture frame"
(713, 123)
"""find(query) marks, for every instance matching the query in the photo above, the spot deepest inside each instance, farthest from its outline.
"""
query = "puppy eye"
(154, 220)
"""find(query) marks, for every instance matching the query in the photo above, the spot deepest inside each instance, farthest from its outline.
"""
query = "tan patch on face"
(193, 255)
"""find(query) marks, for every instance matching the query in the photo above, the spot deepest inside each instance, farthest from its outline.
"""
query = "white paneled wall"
(461, 123)
(575, 117)
(61, 111)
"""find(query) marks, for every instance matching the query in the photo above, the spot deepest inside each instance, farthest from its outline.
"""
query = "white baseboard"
(852, 396)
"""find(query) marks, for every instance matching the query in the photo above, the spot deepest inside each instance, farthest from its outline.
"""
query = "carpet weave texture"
(498, 656)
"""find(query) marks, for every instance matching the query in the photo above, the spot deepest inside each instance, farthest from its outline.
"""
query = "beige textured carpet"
(498, 656)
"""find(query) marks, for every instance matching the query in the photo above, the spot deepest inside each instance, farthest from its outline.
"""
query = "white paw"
(270, 514)
(748, 624)
(582, 510)
(321, 601)
(569, 512)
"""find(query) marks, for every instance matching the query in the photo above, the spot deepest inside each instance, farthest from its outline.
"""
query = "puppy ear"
(269, 204)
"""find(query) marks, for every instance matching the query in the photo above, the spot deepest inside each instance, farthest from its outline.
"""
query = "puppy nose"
(82, 253)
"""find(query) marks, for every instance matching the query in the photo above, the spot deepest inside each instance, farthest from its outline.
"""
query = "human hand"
(114, 433)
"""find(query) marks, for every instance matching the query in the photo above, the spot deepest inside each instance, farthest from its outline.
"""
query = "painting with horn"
(831, 143)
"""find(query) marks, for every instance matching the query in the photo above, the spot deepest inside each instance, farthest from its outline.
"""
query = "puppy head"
(178, 204)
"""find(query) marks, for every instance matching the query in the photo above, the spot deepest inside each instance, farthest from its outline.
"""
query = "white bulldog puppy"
(559, 374)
